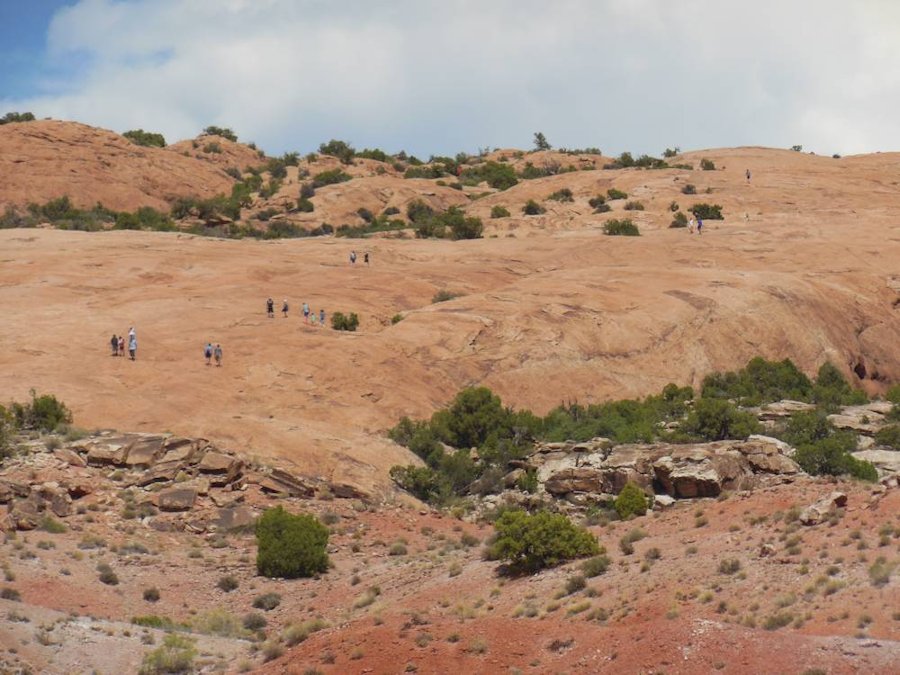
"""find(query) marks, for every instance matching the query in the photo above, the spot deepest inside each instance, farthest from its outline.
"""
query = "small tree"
(714, 419)
(224, 132)
(347, 322)
(290, 546)
(707, 164)
(624, 227)
(146, 138)
(340, 149)
(631, 501)
(541, 142)
(499, 212)
(10, 117)
(532, 208)
(532, 542)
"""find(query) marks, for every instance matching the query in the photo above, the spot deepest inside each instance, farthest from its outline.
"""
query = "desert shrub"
(563, 195)
(154, 621)
(613, 194)
(305, 206)
(623, 227)
(145, 138)
(254, 621)
(307, 191)
(227, 583)
(532, 542)
(224, 132)
(634, 206)
(689, 189)
(107, 576)
(679, 220)
(668, 153)
(716, 420)
(673, 206)
(831, 388)
(499, 212)
(331, 177)
(707, 164)
(213, 148)
(831, 456)
(531, 172)
(340, 149)
(267, 601)
(296, 633)
(7, 432)
(151, 594)
(498, 176)
(729, 566)
(532, 208)
(175, 655)
(290, 545)
(760, 381)
(11, 117)
(418, 211)
(145, 218)
(631, 501)
(365, 214)
(707, 211)
(219, 622)
(277, 168)
(347, 322)
(266, 214)
(889, 436)
(42, 413)
(541, 142)
(376, 154)
(429, 171)
(8, 593)
(594, 567)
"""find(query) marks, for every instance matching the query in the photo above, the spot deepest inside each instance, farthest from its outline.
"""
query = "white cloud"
(442, 76)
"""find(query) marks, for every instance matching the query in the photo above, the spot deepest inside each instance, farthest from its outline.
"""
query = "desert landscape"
(543, 306)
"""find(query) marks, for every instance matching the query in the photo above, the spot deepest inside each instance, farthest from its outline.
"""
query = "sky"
(444, 76)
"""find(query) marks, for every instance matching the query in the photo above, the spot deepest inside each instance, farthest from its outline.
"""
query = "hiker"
(352, 257)
(699, 225)
(748, 175)
(270, 308)
(132, 344)
(284, 308)
(121, 346)
(691, 226)
(218, 354)
(314, 319)
(322, 316)
(207, 352)
(306, 312)
(114, 343)
(366, 257)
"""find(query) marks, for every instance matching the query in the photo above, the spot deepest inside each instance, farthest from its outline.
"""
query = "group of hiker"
(309, 316)
(353, 257)
(117, 343)
(209, 352)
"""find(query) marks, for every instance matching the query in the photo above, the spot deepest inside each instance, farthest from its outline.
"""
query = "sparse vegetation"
(224, 132)
(175, 655)
(345, 322)
(614, 194)
(12, 117)
(631, 501)
(563, 195)
(532, 208)
(707, 211)
(267, 601)
(145, 138)
(500, 212)
(707, 164)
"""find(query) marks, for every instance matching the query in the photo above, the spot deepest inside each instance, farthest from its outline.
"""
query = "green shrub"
(893, 394)
(145, 138)
(832, 390)
(689, 189)
(541, 142)
(418, 211)
(348, 322)
(563, 195)
(289, 545)
(624, 227)
(8, 593)
(707, 211)
(668, 153)
(397, 318)
(631, 501)
(224, 132)
(594, 567)
(889, 436)
(707, 164)
(499, 212)
(531, 172)
(498, 176)
(305, 206)
(532, 208)
(340, 149)
(729, 566)
(614, 194)
(107, 576)
(532, 542)
(43, 413)
(254, 621)
(11, 117)
(213, 148)
(831, 456)
(760, 381)
(679, 220)
(331, 177)
(376, 154)
(634, 206)
(151, 594)
(716, 420)
(175, 655)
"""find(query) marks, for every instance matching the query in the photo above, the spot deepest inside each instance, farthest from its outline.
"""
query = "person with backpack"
(284, 308)
(218, 354)
(208, 352)
(322, 316)
(114, 343)
(270, 308)
(306, 312)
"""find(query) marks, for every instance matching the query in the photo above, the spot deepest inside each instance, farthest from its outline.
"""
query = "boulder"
(222, 468)
(70, 457)
(10, 489)
(105, 452)
(347, 491)
(282, 482)
(663, 501)
(144, 452)
(816, 513)
(781, 409)
(511, 480)
(768, 455)
(886, 461)
(56, 499)
(177, 499)
(584, 479)
(235, 516)
(25, 514)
